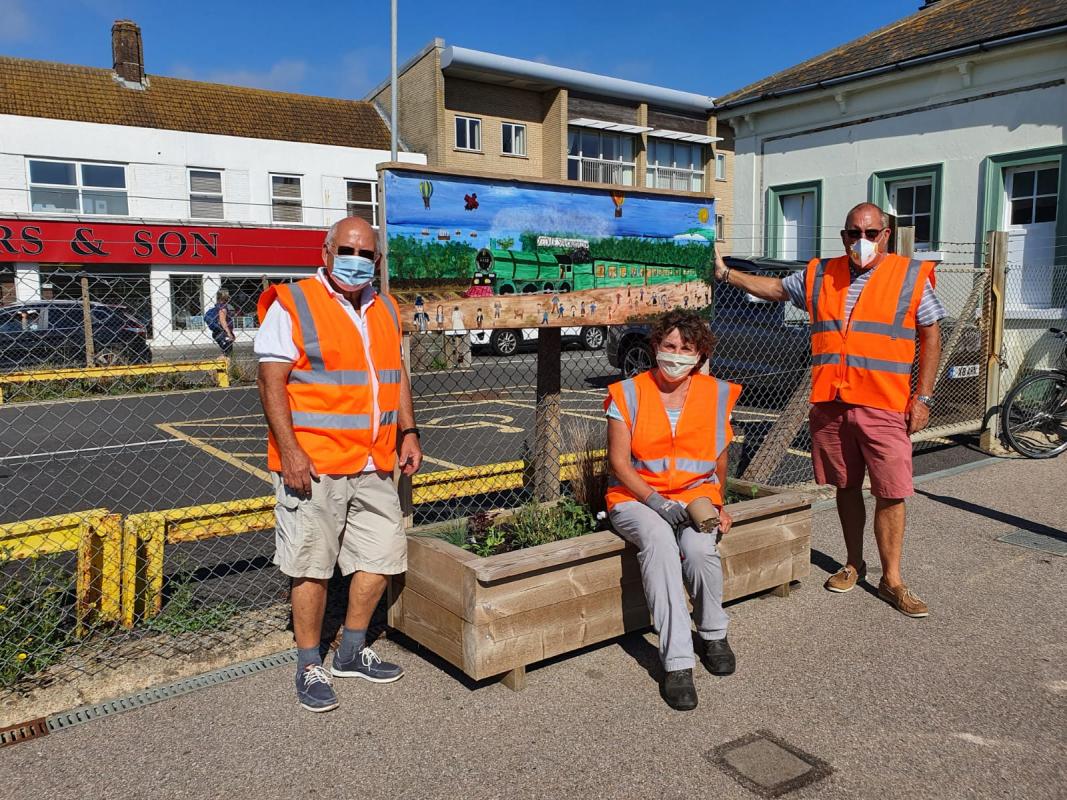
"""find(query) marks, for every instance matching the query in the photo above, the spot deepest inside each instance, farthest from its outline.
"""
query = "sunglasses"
(343, 250)
(853, 234)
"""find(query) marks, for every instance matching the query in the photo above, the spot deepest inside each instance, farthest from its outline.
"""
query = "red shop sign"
(116, 243)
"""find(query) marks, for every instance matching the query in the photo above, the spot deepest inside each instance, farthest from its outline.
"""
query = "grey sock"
(352, 642)
(305, 657)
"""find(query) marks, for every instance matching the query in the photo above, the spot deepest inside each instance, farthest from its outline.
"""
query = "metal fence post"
(997, 258)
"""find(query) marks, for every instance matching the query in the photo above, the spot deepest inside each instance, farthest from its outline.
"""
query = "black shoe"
(678, 690)
(718, 658)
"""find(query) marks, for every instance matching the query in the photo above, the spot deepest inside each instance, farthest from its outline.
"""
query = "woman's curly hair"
(692, 327)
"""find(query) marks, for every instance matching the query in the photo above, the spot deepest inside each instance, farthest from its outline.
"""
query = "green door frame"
(771, 245)
(878, 192)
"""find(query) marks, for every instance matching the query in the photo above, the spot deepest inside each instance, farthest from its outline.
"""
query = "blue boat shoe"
(368, 666)
(314, 689)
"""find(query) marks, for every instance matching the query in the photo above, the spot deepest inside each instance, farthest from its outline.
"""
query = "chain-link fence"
(136, 507)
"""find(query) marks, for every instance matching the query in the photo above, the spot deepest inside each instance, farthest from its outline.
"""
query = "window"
(720, 228)
(285, 198)
(675, 165)
(911, 202)
(720, 166)
(600, 157)
(468, 133)
(362, 200)
(205, 194)
(244, 293)
(78, 188)
(794, 217)
(186, 302)
(1033, 195)
(513, 139)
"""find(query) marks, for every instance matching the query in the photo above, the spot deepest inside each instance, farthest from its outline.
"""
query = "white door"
(1030, 208)
(797, 237)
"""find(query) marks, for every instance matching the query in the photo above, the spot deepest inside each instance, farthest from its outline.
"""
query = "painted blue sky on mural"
(508, 209)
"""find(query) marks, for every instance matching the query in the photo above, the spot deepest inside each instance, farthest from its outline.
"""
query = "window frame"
(599, 158)
(455, 133)
(720, 160)
(372, 203)
(299, 201)
(880, 185)
(79, 186)
(720, 228)
(220, 195)
(525, 133)
(772, 245)
(694, 169)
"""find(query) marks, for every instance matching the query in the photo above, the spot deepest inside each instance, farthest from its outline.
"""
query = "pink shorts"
(845, 439)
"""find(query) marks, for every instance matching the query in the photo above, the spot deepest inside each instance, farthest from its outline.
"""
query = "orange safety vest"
(329, 386)
(865, 360)
(680, 466)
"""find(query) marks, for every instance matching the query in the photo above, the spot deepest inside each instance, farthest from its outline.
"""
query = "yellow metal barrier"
(145, 536)
(220, 366)
(95, 535)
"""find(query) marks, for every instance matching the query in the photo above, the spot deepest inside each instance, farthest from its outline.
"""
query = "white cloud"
(14, 21)
(545, 219)
(287, 75)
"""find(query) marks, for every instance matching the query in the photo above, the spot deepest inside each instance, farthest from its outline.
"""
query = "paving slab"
(970, 702)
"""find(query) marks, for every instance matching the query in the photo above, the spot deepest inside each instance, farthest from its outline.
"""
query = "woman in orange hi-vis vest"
(668, 436)
(338, 405)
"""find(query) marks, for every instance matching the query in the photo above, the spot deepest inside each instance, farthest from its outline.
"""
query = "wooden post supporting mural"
(87, 323)
(906, 241)
(547, 417)
(775, 445)
(997, 259)
(403, 482)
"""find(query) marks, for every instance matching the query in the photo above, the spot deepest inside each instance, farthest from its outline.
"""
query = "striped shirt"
(930, 309)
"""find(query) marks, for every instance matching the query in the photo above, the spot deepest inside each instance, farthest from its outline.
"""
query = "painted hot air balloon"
(702, 215)
(426, 190)
(617, 198)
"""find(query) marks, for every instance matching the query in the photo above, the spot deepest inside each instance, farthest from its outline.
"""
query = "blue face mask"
(352, 270)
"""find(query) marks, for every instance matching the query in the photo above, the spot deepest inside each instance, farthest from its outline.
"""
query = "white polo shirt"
(274, 341)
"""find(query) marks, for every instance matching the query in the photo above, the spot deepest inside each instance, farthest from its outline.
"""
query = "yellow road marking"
(565, 411)
(219, 454)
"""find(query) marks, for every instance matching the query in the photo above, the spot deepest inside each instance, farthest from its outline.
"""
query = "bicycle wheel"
(1035, 415)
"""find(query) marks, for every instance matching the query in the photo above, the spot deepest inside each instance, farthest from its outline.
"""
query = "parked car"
(766, 346)
(52, 332)
(507, 341)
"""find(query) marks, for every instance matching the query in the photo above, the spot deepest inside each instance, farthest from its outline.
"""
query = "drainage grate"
(1054, 542)
(767, 765)
(79, 716)
(14, 734)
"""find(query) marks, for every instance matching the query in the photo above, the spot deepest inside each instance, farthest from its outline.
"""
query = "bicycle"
(1035, 411)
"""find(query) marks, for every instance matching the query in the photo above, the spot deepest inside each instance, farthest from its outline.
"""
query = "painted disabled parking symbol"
(462, 422)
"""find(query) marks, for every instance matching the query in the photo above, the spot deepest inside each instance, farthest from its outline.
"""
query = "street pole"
(392, 86)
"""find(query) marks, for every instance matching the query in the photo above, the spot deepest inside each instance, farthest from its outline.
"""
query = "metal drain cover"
(1046, 543)
(767, 765)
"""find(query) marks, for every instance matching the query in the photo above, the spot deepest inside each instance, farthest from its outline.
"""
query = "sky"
(341, 48)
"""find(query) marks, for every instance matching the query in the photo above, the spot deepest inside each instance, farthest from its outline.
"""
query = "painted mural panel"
(476, 253)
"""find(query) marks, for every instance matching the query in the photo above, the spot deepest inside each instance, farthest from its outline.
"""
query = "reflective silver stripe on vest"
(821, 359)
(629, 393)
(826, 326)
(392, 311)
(653, 465)
(695, 465)
(388, 376)
(911, 277)
(713, 478)
(816, 287)
(388, 418)
(330, 377)
(334, 422)
(721, 418)
(310, 334)
(884, 329)
(878, 364)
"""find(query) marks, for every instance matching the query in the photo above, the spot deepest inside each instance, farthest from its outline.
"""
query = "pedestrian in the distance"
(338, 404)
(219, 320)
(668, 443)
(867, 309)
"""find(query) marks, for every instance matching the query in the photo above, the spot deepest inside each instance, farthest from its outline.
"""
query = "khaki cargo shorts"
(353, 522)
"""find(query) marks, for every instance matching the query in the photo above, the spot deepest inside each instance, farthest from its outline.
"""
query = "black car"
(52, 333)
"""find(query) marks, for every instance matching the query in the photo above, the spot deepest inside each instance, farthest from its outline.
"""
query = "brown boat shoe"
(903, 599)
(845, 579)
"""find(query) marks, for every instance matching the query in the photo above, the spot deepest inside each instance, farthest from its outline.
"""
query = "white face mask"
(674, 365)
(863, 252)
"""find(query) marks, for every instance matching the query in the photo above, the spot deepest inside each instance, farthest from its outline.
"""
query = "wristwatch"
(925, 398)
(406, 431)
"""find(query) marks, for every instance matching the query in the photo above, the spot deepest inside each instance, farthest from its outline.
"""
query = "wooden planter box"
(493, 616)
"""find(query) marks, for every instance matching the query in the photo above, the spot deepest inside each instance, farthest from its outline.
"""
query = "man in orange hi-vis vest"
(867, 311)
(338, 404)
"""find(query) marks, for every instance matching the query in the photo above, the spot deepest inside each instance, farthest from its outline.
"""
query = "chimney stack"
(127, 53)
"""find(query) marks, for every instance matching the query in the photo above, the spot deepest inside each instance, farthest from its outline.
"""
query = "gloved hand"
(672, 511)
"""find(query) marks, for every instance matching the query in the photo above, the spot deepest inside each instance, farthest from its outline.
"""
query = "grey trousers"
(666, 576)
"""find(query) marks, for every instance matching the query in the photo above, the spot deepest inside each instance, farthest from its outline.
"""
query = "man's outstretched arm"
(760, 285)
